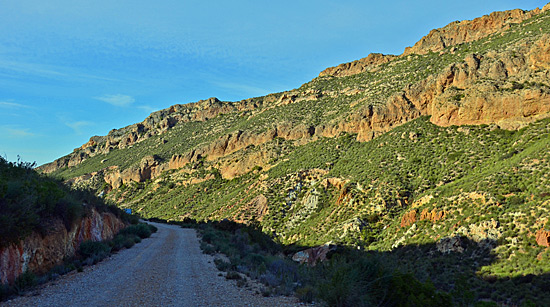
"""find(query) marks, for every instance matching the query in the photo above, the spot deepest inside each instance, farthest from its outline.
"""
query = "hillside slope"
(446, 145)
(44, 221)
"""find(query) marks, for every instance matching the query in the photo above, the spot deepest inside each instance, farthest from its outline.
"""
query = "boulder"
(451, 245)
(314, 255)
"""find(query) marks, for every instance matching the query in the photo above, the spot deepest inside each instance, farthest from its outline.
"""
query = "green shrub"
(69, 210)
(141, 230)
(5, 292)
(222, 265)
(134, 220)
(341, 287)
(125, 239)
(25, 281)
(208, 236)
(94, 250)
(129, 242)
(254, 259)
(305, 294)
(408, 291)
(62, 269)
(118, 242)
(515, 200)
(208, 248)
(233, 275)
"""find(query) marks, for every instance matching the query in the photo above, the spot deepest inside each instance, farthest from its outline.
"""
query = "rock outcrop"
(148, 168)
(453, 34)
(543, 237)
(314, 255)
(370, 63)
(449, 245)
(408, 218)
(40, 252)
(482, 232)
(459, 32)
(433, 216)
(500, 88)
(412, 216)
(155, 124)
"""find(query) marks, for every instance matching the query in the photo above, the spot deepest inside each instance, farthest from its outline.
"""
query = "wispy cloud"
(16, 132)
(77, 126)
(117, 100)
(49, 71)
(31, 68)
(13, 105)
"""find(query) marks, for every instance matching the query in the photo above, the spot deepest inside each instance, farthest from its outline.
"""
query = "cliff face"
(155, 124)
(453, 34)
(371, 62)
(504, 86)
(497, 88)
(39, 253)
(470, 30)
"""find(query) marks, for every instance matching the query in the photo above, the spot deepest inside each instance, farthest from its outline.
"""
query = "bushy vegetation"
(94, 250)
(349, 278)
(29, 201)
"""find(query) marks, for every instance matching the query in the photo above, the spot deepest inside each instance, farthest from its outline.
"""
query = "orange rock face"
(433, 215)
(411, 217)
(408, 218)
(469, 30)
(39, 253)
(365, 64)
(543, 238)
(539, 56)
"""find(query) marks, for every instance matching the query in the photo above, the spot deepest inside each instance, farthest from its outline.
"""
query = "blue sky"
(73, 69)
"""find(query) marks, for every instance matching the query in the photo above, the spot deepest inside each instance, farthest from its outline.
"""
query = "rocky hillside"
(39, 252)
(456, 86)
(44, 221)
(443, 147)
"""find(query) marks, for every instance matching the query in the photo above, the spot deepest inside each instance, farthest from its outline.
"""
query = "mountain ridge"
(445, 153)
(160, 121)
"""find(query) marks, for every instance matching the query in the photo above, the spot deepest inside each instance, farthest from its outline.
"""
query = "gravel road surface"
(168, 269)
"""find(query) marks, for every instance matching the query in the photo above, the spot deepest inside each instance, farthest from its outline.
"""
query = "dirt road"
(167, 269)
